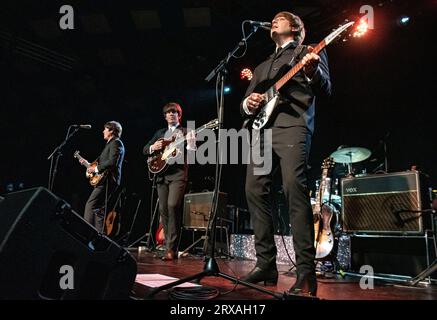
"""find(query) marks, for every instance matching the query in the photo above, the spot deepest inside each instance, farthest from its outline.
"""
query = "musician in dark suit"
(171, 182)
(292, 125)
(110, 160)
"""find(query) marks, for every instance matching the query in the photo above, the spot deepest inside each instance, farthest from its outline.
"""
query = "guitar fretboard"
(182, 139)
(322, 187)
(297, 67)
(85, 163)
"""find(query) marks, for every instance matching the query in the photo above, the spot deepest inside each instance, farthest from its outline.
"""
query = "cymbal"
(351, 155)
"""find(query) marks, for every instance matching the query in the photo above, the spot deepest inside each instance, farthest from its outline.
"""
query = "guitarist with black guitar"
(292, 124)
(171, 180)
(108, 167)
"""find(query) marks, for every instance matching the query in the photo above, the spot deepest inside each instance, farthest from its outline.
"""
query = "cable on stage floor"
(196, 293)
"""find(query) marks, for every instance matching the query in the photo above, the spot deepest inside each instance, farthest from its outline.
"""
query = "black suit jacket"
(175, 171)
(111, 159)
(297, 103)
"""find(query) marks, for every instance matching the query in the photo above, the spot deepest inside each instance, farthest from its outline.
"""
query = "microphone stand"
(211, 268)
(55, 155)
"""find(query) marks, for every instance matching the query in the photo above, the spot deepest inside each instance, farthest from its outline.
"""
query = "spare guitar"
(272, 94)
(159, 159)
(322, 214)
(94, 178)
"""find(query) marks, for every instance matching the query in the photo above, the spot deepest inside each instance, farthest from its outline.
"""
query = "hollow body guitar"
(158, 160)
(322, 215)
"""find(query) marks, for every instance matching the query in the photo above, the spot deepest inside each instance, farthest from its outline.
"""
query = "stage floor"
(336, 288)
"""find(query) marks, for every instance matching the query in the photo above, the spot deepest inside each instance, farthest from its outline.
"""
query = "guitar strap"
(296, 53)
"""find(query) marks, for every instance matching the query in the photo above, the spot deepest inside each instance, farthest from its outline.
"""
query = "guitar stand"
(424, 274)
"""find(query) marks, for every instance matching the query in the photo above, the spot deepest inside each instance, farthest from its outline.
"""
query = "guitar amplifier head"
(385, 204)
(197, 208)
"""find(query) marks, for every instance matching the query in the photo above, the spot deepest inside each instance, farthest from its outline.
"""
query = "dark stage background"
(125, 59)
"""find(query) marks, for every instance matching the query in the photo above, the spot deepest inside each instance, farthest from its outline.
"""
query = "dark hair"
(172, 106)
(295, 23)
(114, 127)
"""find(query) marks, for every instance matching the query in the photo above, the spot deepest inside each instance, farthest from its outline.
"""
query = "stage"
(335, 288)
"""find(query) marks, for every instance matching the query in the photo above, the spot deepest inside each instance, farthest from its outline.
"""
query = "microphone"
(261, 24)
(81, 126)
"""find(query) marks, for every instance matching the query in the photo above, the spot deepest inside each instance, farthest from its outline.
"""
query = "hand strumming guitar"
(254, 101)
(157, 145)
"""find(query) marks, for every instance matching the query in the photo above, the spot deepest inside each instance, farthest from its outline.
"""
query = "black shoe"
(169, 255)
(268, 276)
(306, 285)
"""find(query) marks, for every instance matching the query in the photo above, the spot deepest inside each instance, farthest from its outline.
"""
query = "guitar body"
(95, 178)
(263, 116)
(324, 242)
(112, 224)
(323, 217)
(157, 162)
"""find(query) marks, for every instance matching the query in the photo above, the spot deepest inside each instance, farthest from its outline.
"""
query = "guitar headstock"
(76, 154)
(213, 124)
(337, 32)
(328, 163)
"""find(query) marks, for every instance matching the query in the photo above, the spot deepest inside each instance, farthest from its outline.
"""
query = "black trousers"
(95, 206)
(171, 195)
(290, 150)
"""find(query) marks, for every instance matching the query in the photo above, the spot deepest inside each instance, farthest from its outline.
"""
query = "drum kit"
(331, 198)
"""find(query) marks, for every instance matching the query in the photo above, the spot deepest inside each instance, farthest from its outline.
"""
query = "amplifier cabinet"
(385, 204)
(197, 207)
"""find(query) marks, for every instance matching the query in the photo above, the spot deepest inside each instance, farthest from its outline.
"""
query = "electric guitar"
(322, 215)
(272, 94)
(94, 178)
(159, 159)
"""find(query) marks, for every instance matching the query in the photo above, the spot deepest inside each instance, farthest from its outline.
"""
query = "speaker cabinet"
(40, 236)
(197, 208)
(392, 255)
(385, 204)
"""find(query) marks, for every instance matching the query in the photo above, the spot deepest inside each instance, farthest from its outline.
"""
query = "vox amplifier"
(385, 203)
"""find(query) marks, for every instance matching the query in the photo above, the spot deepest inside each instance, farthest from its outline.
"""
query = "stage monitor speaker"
(391, 255)
(47, 251)
(197, 207)
(385, 204)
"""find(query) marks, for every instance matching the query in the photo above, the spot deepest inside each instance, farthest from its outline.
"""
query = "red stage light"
(246, 73)
(361, 28)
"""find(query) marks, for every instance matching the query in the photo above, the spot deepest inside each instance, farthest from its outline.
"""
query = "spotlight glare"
(361, 28)
(404, 20)
(227, 89)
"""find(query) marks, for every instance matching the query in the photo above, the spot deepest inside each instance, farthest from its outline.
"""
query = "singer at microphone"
(289, 128)
(81, 126)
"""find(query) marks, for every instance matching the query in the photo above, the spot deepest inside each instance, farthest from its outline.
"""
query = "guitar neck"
(85, 163)
(184, 138)
(322, 188)
(296, 68)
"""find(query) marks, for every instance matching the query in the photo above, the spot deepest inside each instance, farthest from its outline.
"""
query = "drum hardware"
(351, 155)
